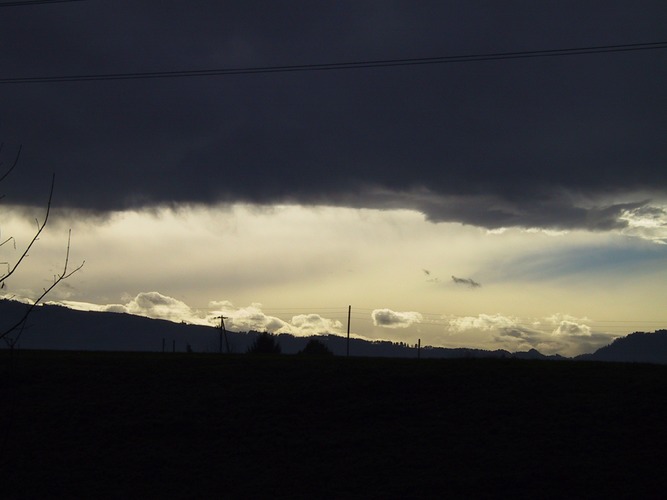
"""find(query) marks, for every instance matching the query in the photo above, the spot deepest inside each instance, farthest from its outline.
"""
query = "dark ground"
(119, 425)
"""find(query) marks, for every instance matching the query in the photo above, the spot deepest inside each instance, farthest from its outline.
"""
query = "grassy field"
(124, 425)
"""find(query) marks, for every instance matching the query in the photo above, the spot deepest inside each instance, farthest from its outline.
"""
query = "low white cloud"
(149, 304)
(158, 306)
(246, 318)
(310, 324)
(522, 338)
(387, 318)
(484, 322)
(253, 318)
(565, 325)
(507, 332)
(572, 329)
(558, 333)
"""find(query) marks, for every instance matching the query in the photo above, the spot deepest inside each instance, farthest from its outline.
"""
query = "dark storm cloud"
(560, 142)
(466, 281)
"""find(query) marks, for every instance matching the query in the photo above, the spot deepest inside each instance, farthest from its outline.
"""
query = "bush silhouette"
(316, 347)
(266, 343)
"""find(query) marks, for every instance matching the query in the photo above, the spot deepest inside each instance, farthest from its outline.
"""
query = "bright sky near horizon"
(505, 203)
(296, 269)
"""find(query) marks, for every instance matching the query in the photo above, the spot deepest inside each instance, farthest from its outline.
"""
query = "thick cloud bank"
(555, 142)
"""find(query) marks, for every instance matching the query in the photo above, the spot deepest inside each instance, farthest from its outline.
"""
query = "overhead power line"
(35, 2)
(340, 66)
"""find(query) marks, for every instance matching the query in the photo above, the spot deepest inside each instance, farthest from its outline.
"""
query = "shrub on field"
(316, 347)
(266, 343)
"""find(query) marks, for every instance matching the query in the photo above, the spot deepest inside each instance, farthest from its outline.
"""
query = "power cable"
(339, 66)
(35, 2)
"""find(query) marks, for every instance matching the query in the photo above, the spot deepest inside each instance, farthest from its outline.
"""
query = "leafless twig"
(66, 273)
(40, 228)
(57, 279)
(16, 160)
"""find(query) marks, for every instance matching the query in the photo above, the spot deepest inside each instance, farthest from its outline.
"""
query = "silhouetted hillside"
(535, 354)
(56, 327)
(61, 328)
(638, 347)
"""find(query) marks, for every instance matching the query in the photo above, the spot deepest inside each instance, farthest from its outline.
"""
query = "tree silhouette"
(316, 347)
(266, 343)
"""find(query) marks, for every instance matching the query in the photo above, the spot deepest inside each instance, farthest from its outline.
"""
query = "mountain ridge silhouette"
(637, 347)
(55, 327)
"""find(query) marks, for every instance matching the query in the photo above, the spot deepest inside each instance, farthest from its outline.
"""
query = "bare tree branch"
(40, 228)
(66, 273)
(57, 279)
(16, 160)
(8, 240)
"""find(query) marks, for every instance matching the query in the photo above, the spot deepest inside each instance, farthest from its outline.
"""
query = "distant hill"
(61, 328)
(57, 327)
(535, 354)
(637, 347)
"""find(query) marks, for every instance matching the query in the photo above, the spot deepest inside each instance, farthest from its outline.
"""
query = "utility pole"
(349, 313)
(223, 331)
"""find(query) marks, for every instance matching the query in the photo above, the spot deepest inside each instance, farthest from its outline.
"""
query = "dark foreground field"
(112, 425)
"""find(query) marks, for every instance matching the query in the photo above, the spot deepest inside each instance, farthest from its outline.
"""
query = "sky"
(509, 203)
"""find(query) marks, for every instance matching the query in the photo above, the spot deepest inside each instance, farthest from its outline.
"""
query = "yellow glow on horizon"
(293, 257)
